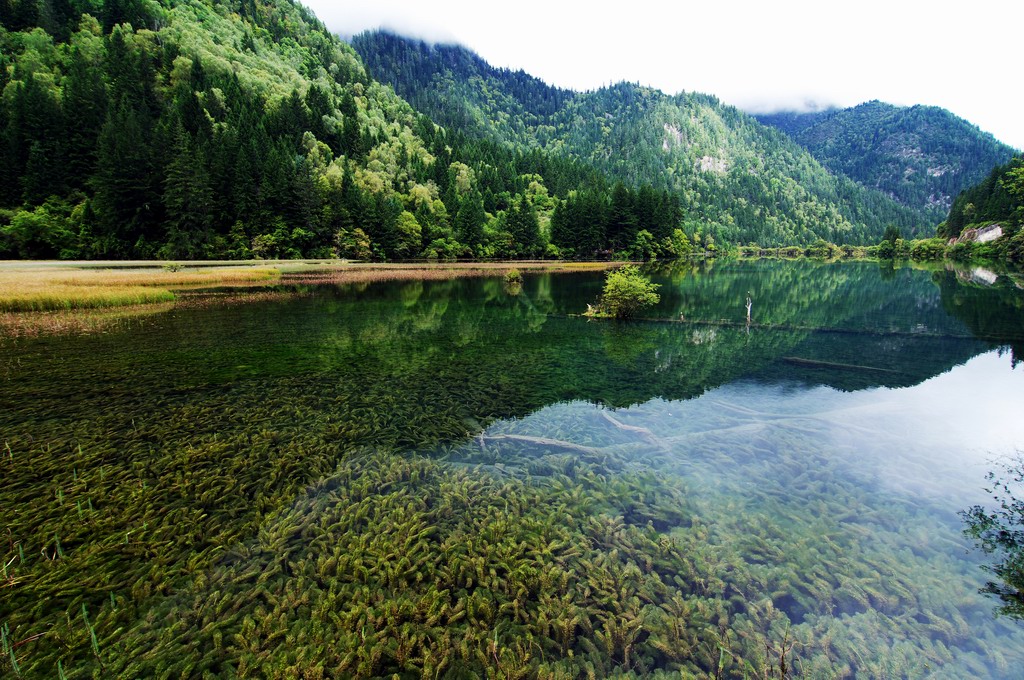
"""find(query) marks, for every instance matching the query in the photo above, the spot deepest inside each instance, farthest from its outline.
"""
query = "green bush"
(1012, 246)
(960, 251)
(928, 249)
(677, 245)
(626, 291)
(822, 249)
(48, 231)
(644, 247)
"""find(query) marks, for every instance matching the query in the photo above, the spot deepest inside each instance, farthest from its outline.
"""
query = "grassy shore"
(51, 286)
(43, 287)
(54, 297)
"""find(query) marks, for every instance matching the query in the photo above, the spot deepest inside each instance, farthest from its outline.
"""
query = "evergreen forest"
(201, 129)
(245, 129)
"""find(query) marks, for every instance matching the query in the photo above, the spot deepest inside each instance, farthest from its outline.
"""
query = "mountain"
(793, 122)
(922, 156)
(200, 129)
(736, 178)
(460, 90)
(999, 197)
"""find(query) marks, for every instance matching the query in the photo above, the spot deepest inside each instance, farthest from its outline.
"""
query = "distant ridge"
(741, 181)
(922, 156)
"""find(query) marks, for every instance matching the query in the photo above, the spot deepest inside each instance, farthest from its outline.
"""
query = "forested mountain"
(465, 92)
(922, 156)
(997, 198)
(242, 128)
(197, 129)
(793, 122)
(736, 179)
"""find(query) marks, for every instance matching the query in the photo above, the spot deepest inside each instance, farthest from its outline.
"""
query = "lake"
(459, 478)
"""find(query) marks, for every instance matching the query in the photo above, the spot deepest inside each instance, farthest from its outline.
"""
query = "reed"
(57, 296)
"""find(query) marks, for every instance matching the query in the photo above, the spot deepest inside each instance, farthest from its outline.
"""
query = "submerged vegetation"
(254, 498)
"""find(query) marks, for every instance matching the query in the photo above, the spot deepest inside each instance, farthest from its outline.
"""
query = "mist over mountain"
(743, 181)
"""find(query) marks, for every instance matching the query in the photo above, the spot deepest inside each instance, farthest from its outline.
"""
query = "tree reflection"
(999, 531)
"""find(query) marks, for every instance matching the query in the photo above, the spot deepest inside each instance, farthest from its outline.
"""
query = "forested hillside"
(793, 122)
(464, 92)
(922, 156)
(997, 199)
(736, 179)
(200, 129)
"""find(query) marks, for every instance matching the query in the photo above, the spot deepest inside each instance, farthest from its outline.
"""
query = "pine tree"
(622, 220)
(524, 228)
(124, 12)
(125, 199)
(351, 136)
(37, 124)
(469, 220)
(187, 199)
(10, 193)
(85, 97)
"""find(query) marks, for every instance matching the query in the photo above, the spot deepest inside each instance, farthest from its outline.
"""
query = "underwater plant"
(434, 478)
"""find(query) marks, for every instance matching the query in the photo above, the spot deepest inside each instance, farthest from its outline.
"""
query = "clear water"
(455, 479)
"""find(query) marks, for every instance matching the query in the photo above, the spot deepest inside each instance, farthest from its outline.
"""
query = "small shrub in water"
(626, 292)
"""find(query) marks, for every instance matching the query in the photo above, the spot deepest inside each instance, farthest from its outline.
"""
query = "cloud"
(785, 102)
(797, 55)
(349, 21)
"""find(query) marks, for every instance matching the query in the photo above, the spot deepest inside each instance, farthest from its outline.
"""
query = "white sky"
(757, 55)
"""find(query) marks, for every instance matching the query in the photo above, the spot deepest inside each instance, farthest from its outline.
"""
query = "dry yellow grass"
(54, 287)
(219, 276)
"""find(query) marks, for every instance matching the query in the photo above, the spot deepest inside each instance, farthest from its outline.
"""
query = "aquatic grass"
(77, 321)
(65, 297)
(257, 501)
(7, 646)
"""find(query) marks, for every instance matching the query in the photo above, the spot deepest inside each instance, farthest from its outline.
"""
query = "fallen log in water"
(812, 363)
(543, 441)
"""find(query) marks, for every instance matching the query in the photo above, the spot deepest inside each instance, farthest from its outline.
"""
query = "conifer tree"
(524, 228)
(350, 133)
(125, 199)
(85, 100)
(469, 220)
(187, 199)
